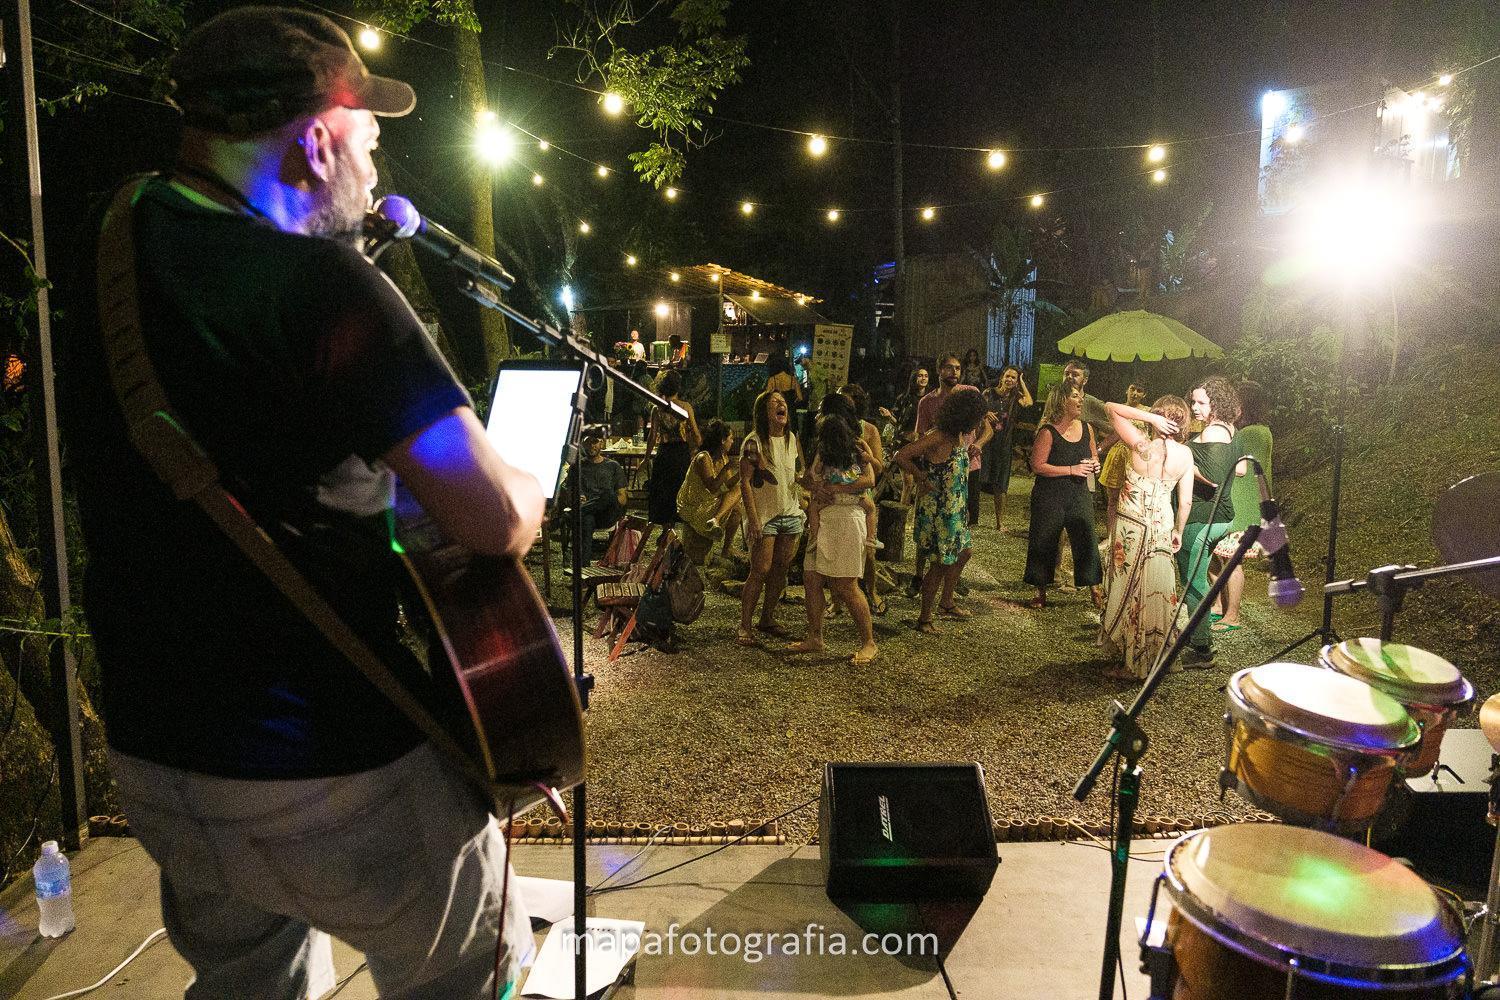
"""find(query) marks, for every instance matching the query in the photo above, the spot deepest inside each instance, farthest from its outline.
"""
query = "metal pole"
(898, 213)
(62, 715)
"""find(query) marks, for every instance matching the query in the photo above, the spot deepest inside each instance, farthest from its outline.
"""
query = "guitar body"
(508, 695)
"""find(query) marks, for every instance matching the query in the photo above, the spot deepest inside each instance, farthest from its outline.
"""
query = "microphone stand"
(489, 297)
(1127, 739)
(1390, 584)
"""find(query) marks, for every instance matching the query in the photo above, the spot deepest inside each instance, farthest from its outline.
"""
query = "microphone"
(395, 217)
(1285, 590)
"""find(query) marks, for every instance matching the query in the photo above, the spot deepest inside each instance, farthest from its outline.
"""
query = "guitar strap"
(164, 442)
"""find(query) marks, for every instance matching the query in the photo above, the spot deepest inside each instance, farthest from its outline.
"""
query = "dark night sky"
(973, 73)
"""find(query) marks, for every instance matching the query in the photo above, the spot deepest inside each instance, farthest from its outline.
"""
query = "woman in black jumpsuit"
(1061, 499)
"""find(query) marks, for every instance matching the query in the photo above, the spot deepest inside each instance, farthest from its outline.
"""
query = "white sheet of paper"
(547, 899)
(611, 944)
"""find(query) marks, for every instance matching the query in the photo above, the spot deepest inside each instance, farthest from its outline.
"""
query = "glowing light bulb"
(538, 180)
(995, 160)
(834, 215)
(630, 260)
(1159, 176)
(543, 145)
(485, 116)
(671, 193)
(1037, 201)
(662, 309)
(613, 103)
(747, 207)
(1445, 79)
(817, 145)
(1156, 153)
(369, 39)
(585, 228)
(1296, 133)
(755, 293)
(675, 276)
(602, 170)
(714, 278)
(1273, 104)
(929, 213)
(494, 144)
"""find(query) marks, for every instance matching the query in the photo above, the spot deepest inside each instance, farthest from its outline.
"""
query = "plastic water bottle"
(54, 891)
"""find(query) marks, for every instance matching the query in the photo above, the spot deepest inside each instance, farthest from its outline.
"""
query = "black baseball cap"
(256, 68)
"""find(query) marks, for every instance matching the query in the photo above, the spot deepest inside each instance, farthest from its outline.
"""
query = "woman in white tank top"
(770, 462)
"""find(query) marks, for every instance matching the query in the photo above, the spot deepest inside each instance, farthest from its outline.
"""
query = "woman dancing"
(1064, 458)
(1142, 575)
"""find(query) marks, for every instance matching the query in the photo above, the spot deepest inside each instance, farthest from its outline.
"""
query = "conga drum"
(1270, 912)
(1313, 746)
(1430, 688)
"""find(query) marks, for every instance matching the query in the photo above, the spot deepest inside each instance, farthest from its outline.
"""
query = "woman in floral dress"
(1141, 573)
(939, 463)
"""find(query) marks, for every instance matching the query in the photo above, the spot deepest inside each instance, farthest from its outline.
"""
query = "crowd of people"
(1175, 499)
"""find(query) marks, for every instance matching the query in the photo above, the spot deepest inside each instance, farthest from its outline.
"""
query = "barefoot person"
(1142, 602)
(836, 551)
(770, 460)
(949, 371)
(1064, 460)
(938, 461)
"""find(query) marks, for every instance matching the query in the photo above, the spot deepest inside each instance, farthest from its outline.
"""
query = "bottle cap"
(49, 848)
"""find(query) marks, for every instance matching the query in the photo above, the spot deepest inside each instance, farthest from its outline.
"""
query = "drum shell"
(1433, 718)
(1302, 776)
(1208, 970)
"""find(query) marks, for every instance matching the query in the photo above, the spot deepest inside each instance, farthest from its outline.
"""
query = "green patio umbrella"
(1138, 335)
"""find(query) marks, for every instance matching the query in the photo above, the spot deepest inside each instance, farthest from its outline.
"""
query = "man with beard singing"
(276, 788)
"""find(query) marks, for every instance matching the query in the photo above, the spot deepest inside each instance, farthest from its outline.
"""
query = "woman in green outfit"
(1214, 402)
(1254, 439)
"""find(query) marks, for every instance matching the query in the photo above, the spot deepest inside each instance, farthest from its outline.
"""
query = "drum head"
(1406, 673)
(1341, 910)
(1326, 706)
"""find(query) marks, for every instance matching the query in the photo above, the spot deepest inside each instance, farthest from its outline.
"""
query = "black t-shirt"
(295, 364)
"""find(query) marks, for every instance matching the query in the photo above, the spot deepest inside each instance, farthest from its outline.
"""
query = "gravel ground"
(719, 731)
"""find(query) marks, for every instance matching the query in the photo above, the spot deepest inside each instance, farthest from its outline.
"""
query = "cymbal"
(1489, 721)
(1464, 527)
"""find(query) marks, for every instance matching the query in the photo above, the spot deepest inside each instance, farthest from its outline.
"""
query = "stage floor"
(1039, 931)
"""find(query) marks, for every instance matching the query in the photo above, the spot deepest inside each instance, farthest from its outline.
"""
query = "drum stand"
(1127, 739)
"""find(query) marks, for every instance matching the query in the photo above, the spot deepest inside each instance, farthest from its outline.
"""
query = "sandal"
(745, 638)
(1224, 627)
(863, 661)
(926, 628)
(955, 612)
(877, 606)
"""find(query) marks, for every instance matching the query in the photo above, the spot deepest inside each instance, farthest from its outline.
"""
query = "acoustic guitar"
(508, 697)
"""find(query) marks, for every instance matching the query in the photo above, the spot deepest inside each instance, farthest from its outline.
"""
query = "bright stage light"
(929, 213)
(1037, 201)
(816, 145)
(1156, 153)
(834, 215)
(1273, 104)
(494, 144)
(1159, 176)
(567, 297)
(1356, 231)
(369, 39)
(995, 160)
(662, 309)
(613, 103)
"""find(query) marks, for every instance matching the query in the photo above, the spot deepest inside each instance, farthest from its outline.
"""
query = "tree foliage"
(669, 87)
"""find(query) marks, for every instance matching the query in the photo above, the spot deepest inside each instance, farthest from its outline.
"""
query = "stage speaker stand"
(901, 832)
(1438, 821)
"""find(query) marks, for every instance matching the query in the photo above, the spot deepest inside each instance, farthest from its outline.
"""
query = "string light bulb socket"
(1445, 79)
(929, 213)
(613, 103)
(543, 145)
(1159, 176)
(537, 180)
(602, 170)
(670, 193)
(747, 208)
(1037, 201)
(675, 276)
(816, 145)
(834, 215)
(662, 309)
(995, 159)
(585, 228)
(630, 260)
(369, 39)
(1156, 153)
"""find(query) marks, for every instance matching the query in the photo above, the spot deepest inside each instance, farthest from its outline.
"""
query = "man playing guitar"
(276, 788)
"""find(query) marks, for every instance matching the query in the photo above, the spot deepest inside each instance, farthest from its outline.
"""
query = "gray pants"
(403, 862)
